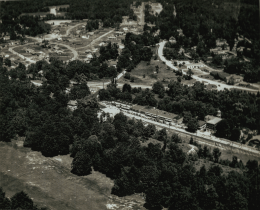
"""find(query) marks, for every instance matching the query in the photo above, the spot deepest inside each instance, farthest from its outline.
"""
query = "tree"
(157, 69)
(126, 88)
(223, 129)
(21, 201)
(235, 135)
(216, 154)
(81, 164)
(158, 87)
(192, 125)
(175, 138)
(217, 59)
(4, 202)
(189, 73)
(127, 75)
(7, 62)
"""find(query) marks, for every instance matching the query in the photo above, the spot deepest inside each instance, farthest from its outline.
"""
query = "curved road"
(219, 85)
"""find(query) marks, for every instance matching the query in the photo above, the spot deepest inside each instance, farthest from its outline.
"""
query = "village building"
(172, 40)
(202, 125)
(72, 105)
(212, 122)
(195, 65)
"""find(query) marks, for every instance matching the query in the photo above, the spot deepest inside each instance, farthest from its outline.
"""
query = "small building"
(244, 84)
(235, 78)
(195, 65)
(172, 40)
(37, 82)
(212, 122)
(111, 37)
(202, 124)
(72, 105)
(90, 33)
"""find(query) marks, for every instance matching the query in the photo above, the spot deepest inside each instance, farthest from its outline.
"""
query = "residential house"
(72, 105)
(180, 32)
(244, 84)
(90, 33)
(212, 124)
(234, 78)
(172, 40)
(37, 82)
(211, 87)
(118, 33)
(6, 38)
(111, 37)
(202, 125)
(195, 65)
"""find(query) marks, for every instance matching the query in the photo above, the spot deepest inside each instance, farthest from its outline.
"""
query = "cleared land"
(49, 182)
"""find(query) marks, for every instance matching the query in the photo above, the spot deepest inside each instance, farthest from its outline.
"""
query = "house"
(211, 87)
(6, 38)
(111, 37)
(235, 78)
(90, 33)
(37, 82)
(29, 76)
(211, 124)
(102, 44)
(220, 42)
(195, 65)
(72, 105)
(125, 29)
(202, 124)
(244, 84)
(119, 33)
(172, 40)
(194, 48)
(180, 32)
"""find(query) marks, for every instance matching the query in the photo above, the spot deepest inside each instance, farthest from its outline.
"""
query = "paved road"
(220, 86)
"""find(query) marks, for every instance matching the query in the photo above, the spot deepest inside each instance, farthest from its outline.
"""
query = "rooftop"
(201, 123)
(72, 103)
(214, 121)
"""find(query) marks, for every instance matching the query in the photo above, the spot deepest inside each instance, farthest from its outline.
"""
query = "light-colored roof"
(214, 121)
(72, 103)
(195, 64)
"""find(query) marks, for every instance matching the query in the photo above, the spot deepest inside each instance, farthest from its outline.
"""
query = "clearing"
(48, 181)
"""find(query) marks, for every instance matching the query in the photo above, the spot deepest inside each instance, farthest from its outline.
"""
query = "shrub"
(127, 75)
(132, 79)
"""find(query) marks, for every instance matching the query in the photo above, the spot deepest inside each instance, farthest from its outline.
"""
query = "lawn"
(150, 73)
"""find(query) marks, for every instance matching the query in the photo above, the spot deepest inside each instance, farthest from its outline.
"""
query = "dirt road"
(220, 86)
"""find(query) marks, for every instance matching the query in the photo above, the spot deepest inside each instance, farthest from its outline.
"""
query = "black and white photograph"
(129, 105)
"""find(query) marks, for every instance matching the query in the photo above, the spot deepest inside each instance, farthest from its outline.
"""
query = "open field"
(48, 181)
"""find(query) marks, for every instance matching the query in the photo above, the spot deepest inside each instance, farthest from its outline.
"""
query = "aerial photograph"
(129, 105)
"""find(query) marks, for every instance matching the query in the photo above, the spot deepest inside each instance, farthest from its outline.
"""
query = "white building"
(195, 65)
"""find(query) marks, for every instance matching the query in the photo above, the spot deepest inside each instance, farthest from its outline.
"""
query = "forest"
(18, 201)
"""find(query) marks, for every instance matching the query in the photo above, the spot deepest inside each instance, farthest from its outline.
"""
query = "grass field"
(48, 181)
